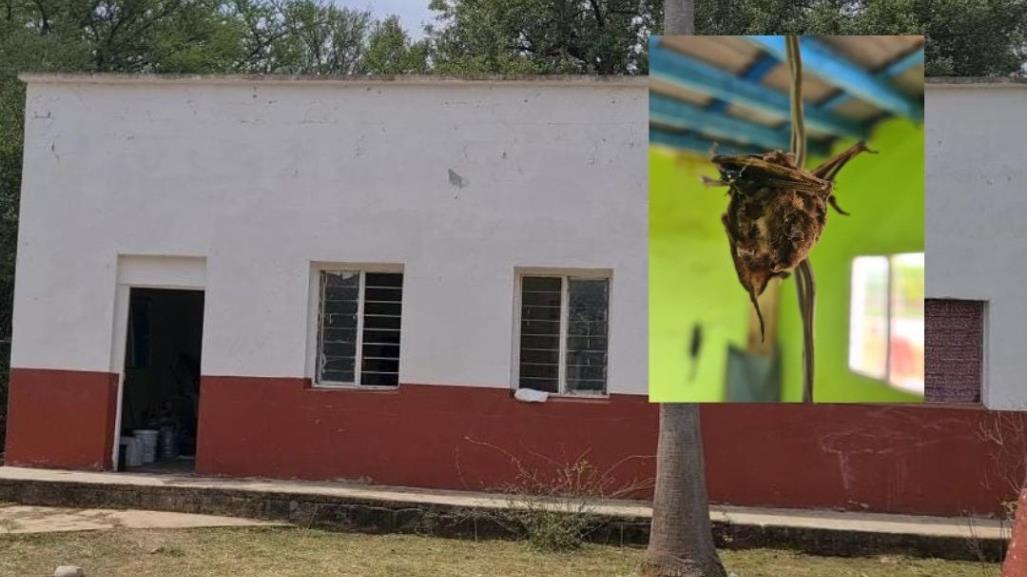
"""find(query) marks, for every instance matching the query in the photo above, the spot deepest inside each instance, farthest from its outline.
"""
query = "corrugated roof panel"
(813, 88)
(730, 53)
(668, 89)
(857, 109)
(753, 115)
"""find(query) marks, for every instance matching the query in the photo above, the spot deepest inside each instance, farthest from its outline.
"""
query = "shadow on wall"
(693, 281)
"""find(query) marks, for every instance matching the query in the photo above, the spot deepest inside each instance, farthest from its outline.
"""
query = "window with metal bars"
(359, 328)
(563, 333)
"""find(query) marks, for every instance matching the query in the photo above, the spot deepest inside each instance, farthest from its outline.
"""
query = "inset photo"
(786, 219)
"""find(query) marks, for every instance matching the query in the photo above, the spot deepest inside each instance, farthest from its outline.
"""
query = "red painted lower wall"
(417, 435)
(901, 459)
(61, 419)
(913, 459)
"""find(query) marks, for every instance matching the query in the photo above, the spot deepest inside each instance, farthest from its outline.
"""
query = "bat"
(777, 212)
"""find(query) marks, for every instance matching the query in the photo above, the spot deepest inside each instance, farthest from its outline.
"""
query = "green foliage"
(319, 39)
(964, 37)
(543, 36)
(390, 51)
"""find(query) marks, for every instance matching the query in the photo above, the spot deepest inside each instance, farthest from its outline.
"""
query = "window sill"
(566, 397)
(314, 385)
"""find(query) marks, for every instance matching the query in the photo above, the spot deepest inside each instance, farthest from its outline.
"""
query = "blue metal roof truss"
(684, 125)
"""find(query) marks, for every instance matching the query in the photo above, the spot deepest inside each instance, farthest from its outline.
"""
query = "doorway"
(160, 398)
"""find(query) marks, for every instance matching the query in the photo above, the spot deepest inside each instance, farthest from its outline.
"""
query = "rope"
(805, 285)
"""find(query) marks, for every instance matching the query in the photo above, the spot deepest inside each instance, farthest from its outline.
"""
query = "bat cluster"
(777, 212)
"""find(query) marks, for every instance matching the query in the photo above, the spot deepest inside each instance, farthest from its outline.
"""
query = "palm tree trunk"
(681, 535)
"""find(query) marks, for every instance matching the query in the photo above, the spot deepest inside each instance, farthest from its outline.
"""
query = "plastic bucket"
(133, 454)
(148, 439)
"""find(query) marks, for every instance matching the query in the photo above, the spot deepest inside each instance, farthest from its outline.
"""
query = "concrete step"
(379, 509)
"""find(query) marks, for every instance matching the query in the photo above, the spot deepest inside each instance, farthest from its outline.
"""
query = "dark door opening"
(161, 390)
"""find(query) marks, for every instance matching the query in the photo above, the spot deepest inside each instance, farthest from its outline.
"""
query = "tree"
(542, 36)
(964, 37)
(320, 38)
(681, 535)
(679, 17)
(389, 50)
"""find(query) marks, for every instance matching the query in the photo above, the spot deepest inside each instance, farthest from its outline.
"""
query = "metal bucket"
(168, 444)
(148, 439)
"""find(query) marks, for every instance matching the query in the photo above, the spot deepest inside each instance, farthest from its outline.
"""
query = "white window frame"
(314, 323)
(564, 275)
(887, 378)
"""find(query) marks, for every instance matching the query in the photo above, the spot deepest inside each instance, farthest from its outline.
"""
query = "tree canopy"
(964, 37)
(543, 36)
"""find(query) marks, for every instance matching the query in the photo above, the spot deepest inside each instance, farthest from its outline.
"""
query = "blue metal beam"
(678, 114)
(903, 64)
(693, 143)
(755, 73)
(819, 59)
(674, 113)
(760, 68)
(894, 69)
(698, 76)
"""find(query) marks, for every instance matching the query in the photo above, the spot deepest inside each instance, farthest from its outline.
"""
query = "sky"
(413, 14)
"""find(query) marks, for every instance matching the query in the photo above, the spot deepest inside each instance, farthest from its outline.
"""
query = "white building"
(422, 205)
(976, 233)
(200, 253)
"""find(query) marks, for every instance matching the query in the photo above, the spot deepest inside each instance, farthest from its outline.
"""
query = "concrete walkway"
(919, 525)
(28, 519)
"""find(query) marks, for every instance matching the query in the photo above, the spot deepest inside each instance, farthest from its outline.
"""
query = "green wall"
(693, 280)
(884, 193)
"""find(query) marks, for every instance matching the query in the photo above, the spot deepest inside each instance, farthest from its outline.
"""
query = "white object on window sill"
(531, 396)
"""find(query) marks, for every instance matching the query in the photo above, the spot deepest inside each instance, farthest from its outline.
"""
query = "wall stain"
(457, 180)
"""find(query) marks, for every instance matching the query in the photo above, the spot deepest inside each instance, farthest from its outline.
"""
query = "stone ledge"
(476, 515)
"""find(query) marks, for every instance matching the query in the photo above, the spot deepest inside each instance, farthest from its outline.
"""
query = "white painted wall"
(261, 178)
(976, 217)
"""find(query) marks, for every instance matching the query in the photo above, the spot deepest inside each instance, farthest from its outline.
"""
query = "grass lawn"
(287, 552)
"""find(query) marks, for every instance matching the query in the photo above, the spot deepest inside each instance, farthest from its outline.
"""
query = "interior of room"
(160, 397)
(730, 94)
